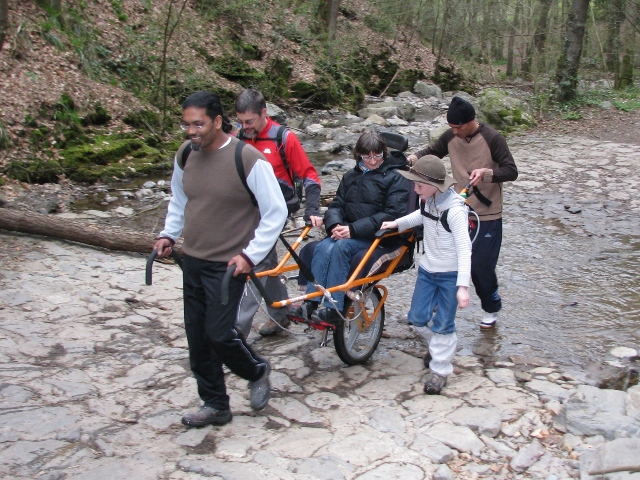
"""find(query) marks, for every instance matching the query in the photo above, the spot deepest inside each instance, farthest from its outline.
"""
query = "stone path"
(94, 372)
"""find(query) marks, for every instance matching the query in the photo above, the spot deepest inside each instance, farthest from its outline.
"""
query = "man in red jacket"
(291, 165)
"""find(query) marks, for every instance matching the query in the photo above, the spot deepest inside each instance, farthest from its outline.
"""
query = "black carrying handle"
(304, 268)
(148, 279)
(224, 294)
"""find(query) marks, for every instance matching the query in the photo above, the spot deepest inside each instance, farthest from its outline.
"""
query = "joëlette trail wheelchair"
(358, 334)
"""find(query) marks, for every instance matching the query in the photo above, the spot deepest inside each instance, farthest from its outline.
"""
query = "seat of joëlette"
(378, 261)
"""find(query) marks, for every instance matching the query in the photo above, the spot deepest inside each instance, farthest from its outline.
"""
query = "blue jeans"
(435, 291)
(330, 265)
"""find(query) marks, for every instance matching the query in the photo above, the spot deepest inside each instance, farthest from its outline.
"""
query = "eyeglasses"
(247, 123)
(186, 126)
(377, 156)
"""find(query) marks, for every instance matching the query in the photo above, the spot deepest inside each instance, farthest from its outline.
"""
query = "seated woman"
(371, 193)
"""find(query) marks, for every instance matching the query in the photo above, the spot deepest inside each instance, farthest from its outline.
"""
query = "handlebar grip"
(150, 260)
(224, 294)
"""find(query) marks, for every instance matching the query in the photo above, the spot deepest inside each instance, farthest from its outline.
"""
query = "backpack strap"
(240, 168)
(185, 155)
(442, 218)
(280, 144)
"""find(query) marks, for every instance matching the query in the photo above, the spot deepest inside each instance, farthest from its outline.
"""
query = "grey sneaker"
(207, 416)
(270, 327)
(489, 320)
(435, 383)
(260, 390)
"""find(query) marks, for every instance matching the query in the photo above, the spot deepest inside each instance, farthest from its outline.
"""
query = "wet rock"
(501, 376)
(404, 110)
(527, 456)
(443, 473)
(375, 119)
(548, 390)
(620, 455)
(485, 421)
(461, 438)
(338, 166)
(387, 420)
(431, 448)
(623, 352)
(428, 90)
(591, 411)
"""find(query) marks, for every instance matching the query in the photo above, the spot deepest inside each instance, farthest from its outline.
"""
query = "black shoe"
(303, 311)
(260, 390)
(327, 315)
(426, 360)
(207, 416)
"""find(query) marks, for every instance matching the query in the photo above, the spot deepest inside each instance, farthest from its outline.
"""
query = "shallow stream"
(569, 264)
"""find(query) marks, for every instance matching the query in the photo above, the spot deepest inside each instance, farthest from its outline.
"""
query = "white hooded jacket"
(444, 251)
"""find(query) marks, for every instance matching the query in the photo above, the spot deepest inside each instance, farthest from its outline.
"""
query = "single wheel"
(354, 342)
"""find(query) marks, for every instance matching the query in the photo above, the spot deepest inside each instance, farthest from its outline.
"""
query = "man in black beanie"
(480, 156)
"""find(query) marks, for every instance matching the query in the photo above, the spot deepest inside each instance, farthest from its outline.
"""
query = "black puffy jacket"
(365, 200)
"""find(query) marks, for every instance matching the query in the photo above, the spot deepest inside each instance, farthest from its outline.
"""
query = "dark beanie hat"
(460, 111)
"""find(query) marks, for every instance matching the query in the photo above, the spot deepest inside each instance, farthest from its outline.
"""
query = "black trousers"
(211, 333)
(484, 259)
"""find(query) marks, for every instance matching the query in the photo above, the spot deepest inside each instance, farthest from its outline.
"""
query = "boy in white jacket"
(445, 267)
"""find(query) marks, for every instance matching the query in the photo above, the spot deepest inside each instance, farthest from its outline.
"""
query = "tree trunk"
(540, 35)
(536, 51)
(111, 238)
(334, 10)
(615, 16)
(627, 46)
(512, 39)
(569, 62)
(4, 21)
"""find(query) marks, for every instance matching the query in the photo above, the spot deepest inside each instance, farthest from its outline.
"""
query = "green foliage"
(572, 116)
(143, 119)
(49, 31)
(118, 9)
(5, 138)
(65, 111)
(379, 23)
(34, 170)
(246, 50)
(236, 70)
(29, 121)
(238, 10)
(39, 137)
(115, 156)
(448, 78)
(99, 116)
(291, 31)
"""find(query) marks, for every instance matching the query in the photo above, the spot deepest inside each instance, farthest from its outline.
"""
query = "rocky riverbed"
(95, 372)
(95, 378)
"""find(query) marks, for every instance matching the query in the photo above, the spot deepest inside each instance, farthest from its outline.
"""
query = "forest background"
(91, 89)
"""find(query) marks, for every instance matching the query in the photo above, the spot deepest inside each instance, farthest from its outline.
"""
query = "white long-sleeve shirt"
(444, 251)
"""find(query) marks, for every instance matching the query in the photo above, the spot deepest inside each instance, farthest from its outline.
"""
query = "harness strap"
(481, 198)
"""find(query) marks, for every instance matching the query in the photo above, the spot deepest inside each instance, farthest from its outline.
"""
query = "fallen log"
(111, 238)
